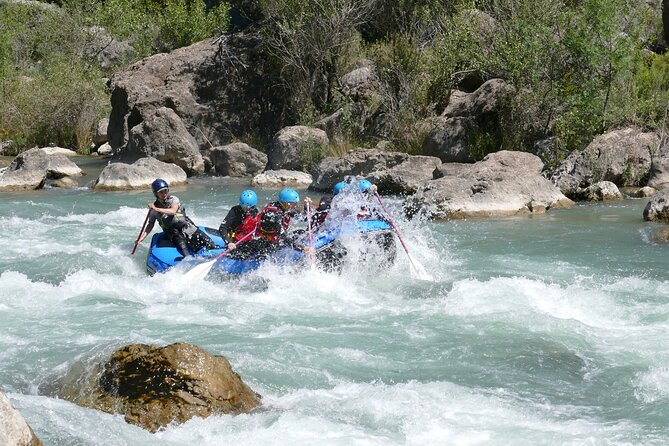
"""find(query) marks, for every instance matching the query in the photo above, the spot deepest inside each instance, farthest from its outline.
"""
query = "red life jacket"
(248, 225)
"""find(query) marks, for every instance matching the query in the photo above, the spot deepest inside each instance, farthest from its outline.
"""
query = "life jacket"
(271, 223)
(248, 225)
(177, 221)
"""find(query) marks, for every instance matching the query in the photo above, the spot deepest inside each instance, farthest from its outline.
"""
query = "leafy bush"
(49, 94)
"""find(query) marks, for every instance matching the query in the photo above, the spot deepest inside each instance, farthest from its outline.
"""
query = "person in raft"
(171, 217)
(241, 220)
(272, 227)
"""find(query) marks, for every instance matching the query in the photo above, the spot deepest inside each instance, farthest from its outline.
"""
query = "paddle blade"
(418, 270)
(199, 272)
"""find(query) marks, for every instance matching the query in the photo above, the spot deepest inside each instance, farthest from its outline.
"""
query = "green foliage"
(403, 85)
(307, 39)
(48, 94)
(154, 25)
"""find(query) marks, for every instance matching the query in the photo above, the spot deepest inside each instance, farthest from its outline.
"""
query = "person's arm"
(147, 231)
(172, 210)
(232, 220)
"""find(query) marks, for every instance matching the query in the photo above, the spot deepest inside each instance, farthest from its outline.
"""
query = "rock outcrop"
(164, 136)
(154, 386)
(31, 169)
(139, 175)
(219, 86)
(293, 146)
(14, 431)
(622, 157)
(406, 177)
(237, 160)
(470, 125)
(362, 162)
(503, 184)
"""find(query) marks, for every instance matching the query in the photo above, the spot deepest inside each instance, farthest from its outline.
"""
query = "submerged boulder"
(154, 386)
(14, 430)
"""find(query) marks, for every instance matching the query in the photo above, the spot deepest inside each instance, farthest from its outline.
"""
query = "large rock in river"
(237, 160)
(154, 386)
(657, 208)
(622, 157)
(31, 169)
(139, 175)
(14, 431)
(292, 147)
(503, 184)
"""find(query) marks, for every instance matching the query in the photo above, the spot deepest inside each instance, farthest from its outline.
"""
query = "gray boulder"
(282, 178)
(164, 136)
(105, 49)
(139, 175)
(218, 85)
(622, 157)
(155, 386)
(659, 167)
(406, 177)
(601, 191)
(332, 170)
(237, 160)
(470, 125)
(31, 169)
(657, 208)
(503, 184)
(14, 431)
(100, 137)
(292, 146)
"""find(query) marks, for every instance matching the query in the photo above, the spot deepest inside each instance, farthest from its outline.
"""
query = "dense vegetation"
(579, 67)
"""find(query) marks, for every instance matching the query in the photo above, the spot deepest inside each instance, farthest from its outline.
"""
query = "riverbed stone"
(153, 386)
(657, 208)
(292, 146)
(14, 430)
(282, 178)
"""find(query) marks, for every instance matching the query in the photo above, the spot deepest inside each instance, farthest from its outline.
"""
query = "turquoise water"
(542, 330)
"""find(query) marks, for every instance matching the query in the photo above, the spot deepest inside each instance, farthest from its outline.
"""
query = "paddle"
(311, 236)
(417, 270)
(134, 248)
(200, 271)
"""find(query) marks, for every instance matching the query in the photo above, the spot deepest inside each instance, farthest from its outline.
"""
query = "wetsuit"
(179, 228)
(238, 223)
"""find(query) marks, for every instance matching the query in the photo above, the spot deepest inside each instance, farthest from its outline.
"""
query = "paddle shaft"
(311, 236)
(134, 248)
(395, 228)
(246, 237)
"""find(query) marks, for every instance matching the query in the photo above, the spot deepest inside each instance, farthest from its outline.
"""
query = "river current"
(543, 330)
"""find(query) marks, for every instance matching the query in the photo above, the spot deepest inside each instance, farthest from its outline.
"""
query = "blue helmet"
(338, 187)
(158, 185)
(288, 196)
(248, 199)
(364, 185)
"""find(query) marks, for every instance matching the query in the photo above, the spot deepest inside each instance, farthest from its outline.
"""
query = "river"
(542, 330)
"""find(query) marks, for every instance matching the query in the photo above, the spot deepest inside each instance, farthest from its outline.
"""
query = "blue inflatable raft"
(163, 254)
